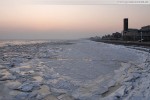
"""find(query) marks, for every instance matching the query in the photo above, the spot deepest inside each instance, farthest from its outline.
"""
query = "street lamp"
(141, 37)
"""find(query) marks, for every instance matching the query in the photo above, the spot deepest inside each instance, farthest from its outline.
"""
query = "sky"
(22, 20)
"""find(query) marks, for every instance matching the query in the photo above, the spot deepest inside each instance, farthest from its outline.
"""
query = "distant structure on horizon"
(125, 24)
(129, 34)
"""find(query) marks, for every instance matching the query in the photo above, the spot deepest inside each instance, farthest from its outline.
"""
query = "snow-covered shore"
(70, 70)
(133, 80)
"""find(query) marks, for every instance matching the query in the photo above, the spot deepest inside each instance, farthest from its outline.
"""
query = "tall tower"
(125, 24)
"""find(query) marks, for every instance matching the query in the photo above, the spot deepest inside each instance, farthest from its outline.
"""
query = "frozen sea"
(87, 60)
(80, 68)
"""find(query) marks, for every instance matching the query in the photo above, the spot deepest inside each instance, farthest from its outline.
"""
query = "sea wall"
(125, 42)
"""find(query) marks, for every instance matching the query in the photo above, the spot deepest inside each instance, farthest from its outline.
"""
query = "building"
(145, 33)
(142, 34)
(126, 24)
(146, 27)
(131, 34)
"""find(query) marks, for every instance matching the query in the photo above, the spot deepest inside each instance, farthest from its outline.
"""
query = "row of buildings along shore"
(130, 34)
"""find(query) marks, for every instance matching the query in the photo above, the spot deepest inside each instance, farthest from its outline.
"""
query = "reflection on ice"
(25, 66)
(38, 78)
(111, 90)
(44, 89)
(14, 92)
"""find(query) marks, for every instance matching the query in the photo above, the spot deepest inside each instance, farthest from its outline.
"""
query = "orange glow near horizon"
(40, 18)
(101, 19)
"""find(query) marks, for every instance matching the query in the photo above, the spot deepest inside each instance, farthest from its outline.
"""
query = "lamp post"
(141, 37)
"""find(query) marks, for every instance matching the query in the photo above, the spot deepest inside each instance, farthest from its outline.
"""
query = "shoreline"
(126, 43)
(143, 46)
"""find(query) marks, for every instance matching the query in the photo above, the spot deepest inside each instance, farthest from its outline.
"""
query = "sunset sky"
(20, 20)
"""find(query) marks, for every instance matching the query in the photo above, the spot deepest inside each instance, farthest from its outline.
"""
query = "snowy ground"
(73, 70)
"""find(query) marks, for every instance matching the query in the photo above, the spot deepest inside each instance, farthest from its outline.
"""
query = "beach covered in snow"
(73, 70)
